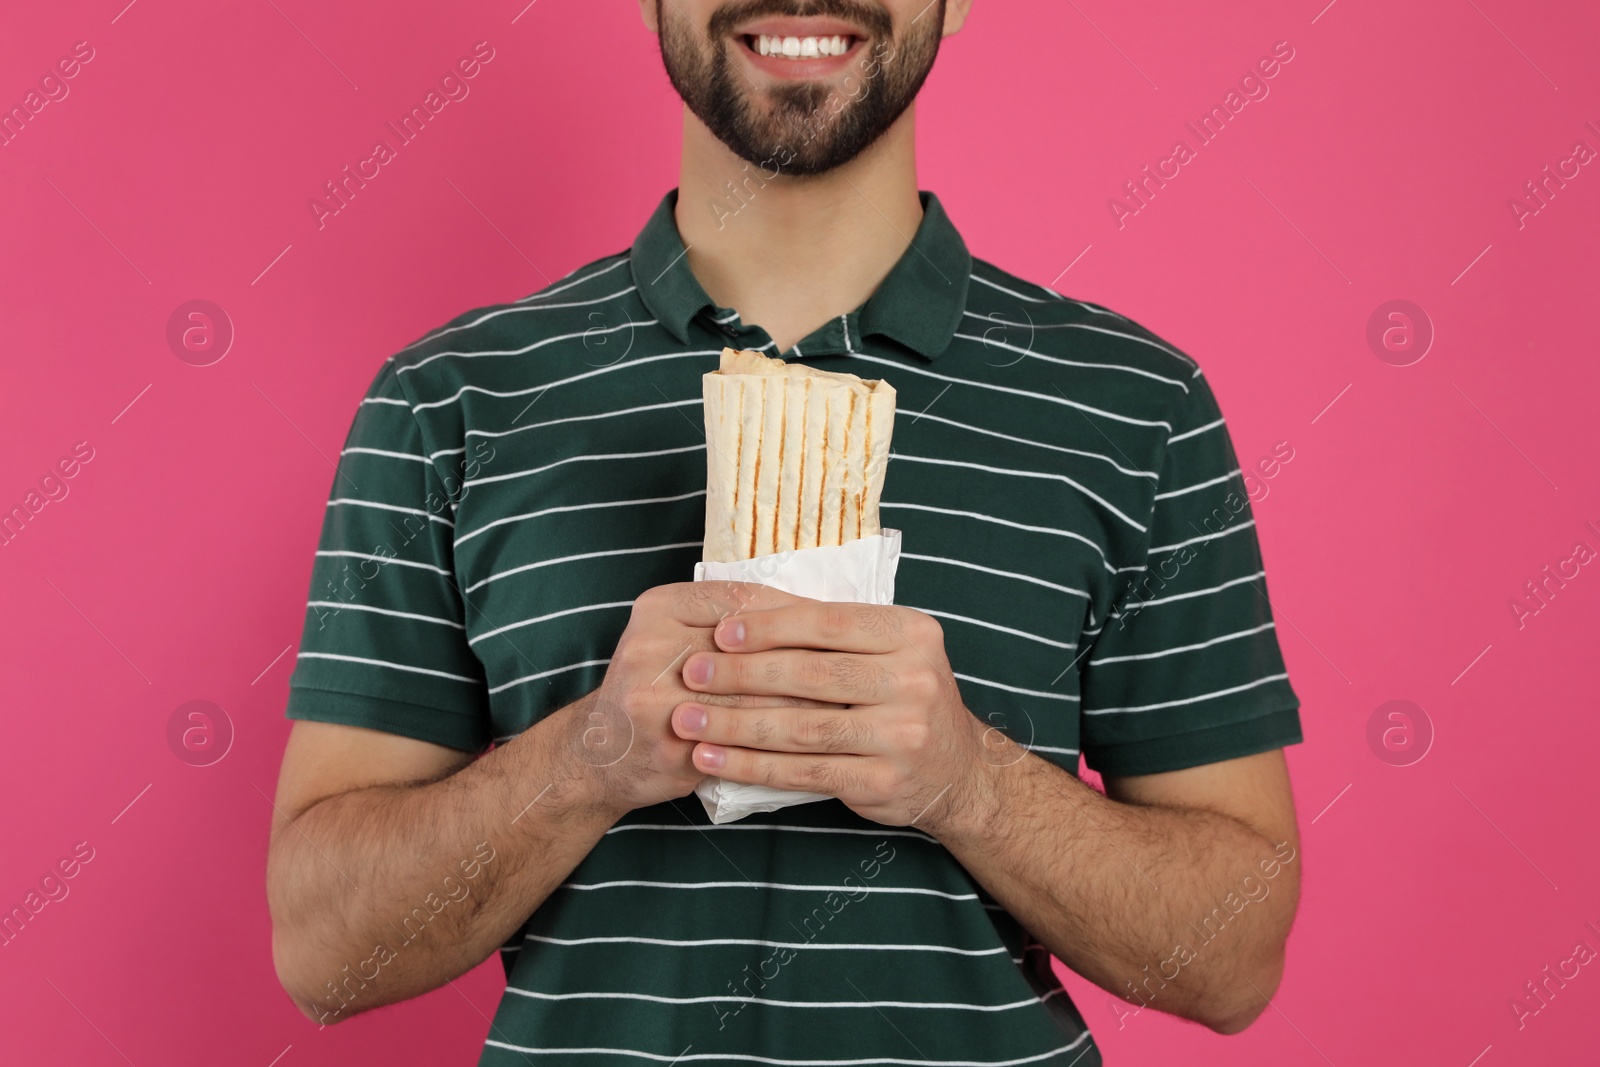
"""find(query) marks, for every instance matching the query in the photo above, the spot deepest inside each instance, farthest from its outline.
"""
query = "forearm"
(1182, 910)
(383, 893)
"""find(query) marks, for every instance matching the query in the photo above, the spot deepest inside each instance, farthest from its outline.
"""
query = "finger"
(841, 677)
(845, 627)
(835, 776)
(760, 700)
(703, 603)
(664, 664)
(780, 729)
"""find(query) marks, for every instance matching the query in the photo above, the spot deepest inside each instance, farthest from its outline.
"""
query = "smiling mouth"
(800, 48)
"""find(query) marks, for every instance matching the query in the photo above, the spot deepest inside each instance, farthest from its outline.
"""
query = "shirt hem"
(440, 726)
(1194, 748)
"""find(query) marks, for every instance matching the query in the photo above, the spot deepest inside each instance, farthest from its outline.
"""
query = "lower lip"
(797, 69)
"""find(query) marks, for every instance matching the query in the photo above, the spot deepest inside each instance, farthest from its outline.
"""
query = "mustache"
(870, 17)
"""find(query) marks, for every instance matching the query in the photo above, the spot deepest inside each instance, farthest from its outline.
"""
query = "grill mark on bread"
(755, 477)
(844, 488)
(800, 475)
(822, 479)
(738, 446)
(777, 492)
(866, 471)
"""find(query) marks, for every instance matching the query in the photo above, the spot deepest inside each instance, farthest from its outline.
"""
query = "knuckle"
(915, 736)
(855, 676)
(843, 733)
(733, 596)
(836, 620)
(650, 601)
(818, 732)
(734, 671)
(761, 730)
(920, 685)
(769, 773)
(880, 788)
(816, 671)
(638, 700)
(818, 775)
(874, 619)
(923, 628)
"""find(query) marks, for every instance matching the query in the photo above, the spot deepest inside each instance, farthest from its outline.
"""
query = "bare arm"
(396, 864)
(1174, 891)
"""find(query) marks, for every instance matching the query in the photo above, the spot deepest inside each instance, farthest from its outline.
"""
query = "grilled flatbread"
(795, 456)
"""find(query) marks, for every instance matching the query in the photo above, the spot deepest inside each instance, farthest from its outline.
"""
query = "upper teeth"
(802, 47)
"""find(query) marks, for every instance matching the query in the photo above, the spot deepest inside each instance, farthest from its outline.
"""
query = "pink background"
(1416, 506)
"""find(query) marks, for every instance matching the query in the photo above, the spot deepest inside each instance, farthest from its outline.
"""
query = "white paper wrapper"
(862, 571)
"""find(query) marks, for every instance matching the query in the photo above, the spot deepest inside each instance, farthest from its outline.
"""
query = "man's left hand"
(903, 748)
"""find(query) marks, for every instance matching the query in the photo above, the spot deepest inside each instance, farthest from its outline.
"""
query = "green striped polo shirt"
(1072, 513)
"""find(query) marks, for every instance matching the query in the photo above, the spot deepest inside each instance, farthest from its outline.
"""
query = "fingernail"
(733, 632)
(694, 719)
(712, 757)
(698, 670)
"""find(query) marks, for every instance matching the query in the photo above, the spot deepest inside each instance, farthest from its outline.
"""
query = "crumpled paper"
(861, 571)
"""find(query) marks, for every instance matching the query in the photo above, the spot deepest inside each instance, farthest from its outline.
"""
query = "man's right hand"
(623, 729)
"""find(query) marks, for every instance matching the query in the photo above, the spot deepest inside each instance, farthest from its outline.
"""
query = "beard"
(802, 129)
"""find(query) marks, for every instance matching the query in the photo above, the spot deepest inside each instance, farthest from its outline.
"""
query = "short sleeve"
(1186, 668)
(384, 643)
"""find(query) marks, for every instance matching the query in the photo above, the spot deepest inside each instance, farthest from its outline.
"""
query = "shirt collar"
(919, 303)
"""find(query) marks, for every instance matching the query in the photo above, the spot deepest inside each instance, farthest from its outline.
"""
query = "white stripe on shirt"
(457, 395)
(1069, 646)
(464, 538)
(626, 259)
(385, 559)
(1199, 485)
(525, 349)
(775, 1003)
(577, 556)
(471, 482)
(878, 1061)
(1184, 648)
(546, 674)
(991, 570)
(1077, 362)
(1197, 430)
(391, 507)
(1072, 534)
(1069, 697)
(341, 605)
(480, 320)
(386, 664)
(383, 452)
(918, 415)
(1079, 486)
(675, 943)
(1142, 604)
(627, 883)
(1187, 700)
(547, 617)
(1014, 392)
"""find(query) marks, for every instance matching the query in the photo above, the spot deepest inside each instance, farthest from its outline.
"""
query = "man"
(503, 561)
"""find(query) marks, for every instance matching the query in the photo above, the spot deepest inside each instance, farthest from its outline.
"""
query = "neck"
(791, 253)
